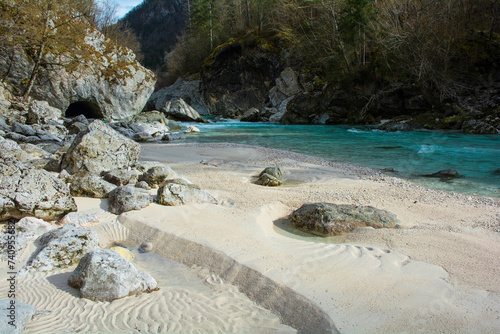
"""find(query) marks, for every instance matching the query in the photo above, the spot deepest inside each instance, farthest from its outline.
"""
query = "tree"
(43, 27)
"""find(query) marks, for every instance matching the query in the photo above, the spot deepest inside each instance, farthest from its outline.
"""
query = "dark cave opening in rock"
(86, 108)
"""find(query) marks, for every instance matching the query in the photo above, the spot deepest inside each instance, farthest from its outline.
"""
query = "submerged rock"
(146, 246)
(105, 276)
(100, 148)
(327, 219)
(445, 174)
(127, 198)
(62, 247)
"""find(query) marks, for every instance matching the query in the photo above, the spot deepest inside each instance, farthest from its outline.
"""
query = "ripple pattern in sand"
(185, 303)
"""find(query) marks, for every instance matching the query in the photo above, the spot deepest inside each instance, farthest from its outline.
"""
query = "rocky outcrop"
(99, 148)
(91, 185)
(127, 198)
(105, 276)
(31, 192)
(21, 315)
(62, 247)
(176, 193)
(108, 82)
(179, 110)
(239, 74)
(187, 90)
(327, 219)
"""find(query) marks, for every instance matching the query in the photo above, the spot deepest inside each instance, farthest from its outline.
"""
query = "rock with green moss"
(328, 219)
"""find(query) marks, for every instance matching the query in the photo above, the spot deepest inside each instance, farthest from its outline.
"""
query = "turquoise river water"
(410, 154)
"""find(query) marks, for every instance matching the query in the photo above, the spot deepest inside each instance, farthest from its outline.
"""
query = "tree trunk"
(34, 72)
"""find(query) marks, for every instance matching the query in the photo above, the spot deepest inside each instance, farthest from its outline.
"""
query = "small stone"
(146, 246)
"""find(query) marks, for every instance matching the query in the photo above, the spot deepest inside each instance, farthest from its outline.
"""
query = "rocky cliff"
(107, 82)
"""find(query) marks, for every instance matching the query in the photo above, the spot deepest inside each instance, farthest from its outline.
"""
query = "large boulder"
(127, 198)
(327, 219)
(121, 177)
(28, 228)
(14, 312)
(62, 247)
(11, 149)
(100, 148)
(188, 90)
(105, 276)
(32, 192)
(91, 185)
(178, 192)
(40, 112)
(156, 175)
(179, 110)
(107, 80)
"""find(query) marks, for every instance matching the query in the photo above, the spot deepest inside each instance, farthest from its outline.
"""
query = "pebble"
(146, 246)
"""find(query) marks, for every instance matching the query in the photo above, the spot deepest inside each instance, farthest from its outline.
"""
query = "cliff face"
(238, 75)
(259, 78)
(108, 82)
(157, 24)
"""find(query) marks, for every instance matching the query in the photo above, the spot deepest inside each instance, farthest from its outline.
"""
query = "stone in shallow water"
(105, 275)
(328, 219)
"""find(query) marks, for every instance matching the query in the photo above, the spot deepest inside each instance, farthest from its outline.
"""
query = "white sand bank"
(439, 273)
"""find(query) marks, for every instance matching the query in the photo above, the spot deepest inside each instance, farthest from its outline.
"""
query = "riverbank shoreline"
(434, 273)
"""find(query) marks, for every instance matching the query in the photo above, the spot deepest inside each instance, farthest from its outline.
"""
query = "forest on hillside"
(441, 45)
